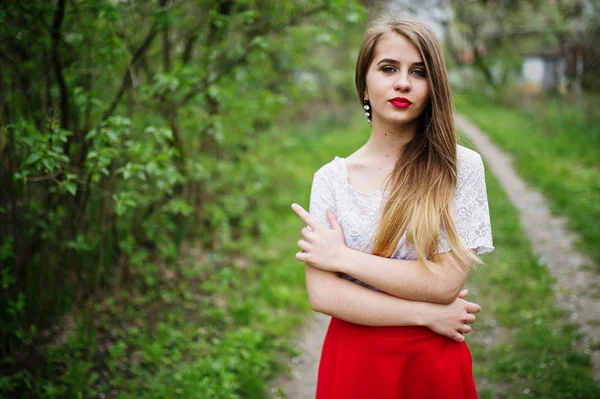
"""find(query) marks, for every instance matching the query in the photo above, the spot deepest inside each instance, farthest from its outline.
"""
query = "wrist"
(424, 314)
(346, 262)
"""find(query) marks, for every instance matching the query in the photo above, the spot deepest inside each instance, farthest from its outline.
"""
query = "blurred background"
(150, 150)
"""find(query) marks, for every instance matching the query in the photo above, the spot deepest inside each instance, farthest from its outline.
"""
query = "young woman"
(403, 254)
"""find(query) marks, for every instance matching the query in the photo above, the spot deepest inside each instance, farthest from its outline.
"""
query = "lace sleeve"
(470, 210)
(321, 198)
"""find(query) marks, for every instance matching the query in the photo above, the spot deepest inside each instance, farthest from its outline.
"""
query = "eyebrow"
(392, 61)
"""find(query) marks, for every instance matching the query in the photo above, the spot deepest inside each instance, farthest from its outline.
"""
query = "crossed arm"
(340, 298)
(326, 250)
(345, 300)
(348, 301)
(406, 279)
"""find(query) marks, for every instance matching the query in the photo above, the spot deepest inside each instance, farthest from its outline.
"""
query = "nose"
(402, 83)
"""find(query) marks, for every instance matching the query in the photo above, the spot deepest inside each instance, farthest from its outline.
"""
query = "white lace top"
(359, 213)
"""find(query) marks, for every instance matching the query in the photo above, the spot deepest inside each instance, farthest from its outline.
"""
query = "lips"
(400, 102)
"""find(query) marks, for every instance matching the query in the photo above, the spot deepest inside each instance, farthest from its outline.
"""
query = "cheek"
(424, 89)
(377, 84)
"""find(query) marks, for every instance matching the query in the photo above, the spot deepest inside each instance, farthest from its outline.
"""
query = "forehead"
(396, 46)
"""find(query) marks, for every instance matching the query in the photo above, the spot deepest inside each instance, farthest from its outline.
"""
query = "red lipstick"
(400, 102)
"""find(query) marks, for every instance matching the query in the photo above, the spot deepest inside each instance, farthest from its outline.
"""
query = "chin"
(401, 120)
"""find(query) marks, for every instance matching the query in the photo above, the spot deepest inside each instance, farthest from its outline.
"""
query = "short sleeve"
(470, 209)
(321, 198)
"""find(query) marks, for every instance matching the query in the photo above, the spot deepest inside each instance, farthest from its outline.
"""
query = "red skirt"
(364, 362)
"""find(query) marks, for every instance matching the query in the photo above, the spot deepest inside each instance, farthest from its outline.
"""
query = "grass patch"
(214, 324)
(555, 148)
(261, 306)
(538, 358)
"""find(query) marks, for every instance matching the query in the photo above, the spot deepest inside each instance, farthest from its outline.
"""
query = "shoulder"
(468, 161)
(331, 170)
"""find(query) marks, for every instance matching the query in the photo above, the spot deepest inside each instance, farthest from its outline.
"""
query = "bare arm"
(406, 279)
(345, 300)
(348, 301)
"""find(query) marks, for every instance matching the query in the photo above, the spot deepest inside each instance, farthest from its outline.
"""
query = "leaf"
(112, 136)
(71, 187)
(92, 133)
(49, 163)
(33, 158)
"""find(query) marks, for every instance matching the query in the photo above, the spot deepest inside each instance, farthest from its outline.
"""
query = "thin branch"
(188, 48)
(231, 64)
(62, 85)
(166, 50)
(126, 75)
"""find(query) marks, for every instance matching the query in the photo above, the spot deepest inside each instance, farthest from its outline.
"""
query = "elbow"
(315, 297)
(440, 298)
(444, 295)
(448, 299)
(318, 288)
(320, 304)
(318, 298)
(451, 295)
(315, 303)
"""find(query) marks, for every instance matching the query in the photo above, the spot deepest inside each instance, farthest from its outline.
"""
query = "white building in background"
(544, 72)
(434, 13)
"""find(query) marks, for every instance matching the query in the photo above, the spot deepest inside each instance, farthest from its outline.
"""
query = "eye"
(420, 72)
(388, 69)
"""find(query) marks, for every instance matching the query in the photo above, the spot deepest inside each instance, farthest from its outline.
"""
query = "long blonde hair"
(425, 175)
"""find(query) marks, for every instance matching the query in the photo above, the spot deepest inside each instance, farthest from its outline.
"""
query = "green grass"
(537, 358)
(260, 307)
(210, 326)
(214, 326)
(556, 149)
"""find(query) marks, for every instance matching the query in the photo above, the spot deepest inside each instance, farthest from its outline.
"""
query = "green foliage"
(43, 153)
(537, 358)
(493, 36)
(238, 365)
(129, 130)
(556, 149)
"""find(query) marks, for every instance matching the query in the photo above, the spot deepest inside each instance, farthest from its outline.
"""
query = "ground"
(576, 288)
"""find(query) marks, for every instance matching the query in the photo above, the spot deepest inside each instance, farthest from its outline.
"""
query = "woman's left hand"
(322, 248)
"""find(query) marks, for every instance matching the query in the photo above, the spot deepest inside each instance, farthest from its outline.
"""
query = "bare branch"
(126, 75)
(59, 15)
(232, 63)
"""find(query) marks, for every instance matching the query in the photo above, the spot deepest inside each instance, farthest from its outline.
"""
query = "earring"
(367, 108)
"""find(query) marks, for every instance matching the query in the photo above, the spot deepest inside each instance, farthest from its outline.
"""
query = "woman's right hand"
(453, 320)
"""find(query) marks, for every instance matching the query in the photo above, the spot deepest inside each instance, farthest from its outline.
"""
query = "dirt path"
(577, 286)
(301, 383)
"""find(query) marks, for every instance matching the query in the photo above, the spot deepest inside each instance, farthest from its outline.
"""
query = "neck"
(387, 140)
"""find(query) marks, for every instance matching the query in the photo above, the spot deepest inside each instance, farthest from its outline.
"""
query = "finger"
(305, 216)
(470, 318)
(302, 256)
(304, 245)
(465, 329)
(473, 307)
(458, 337)
(463, 293)
(333, 219)
(307, 234)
